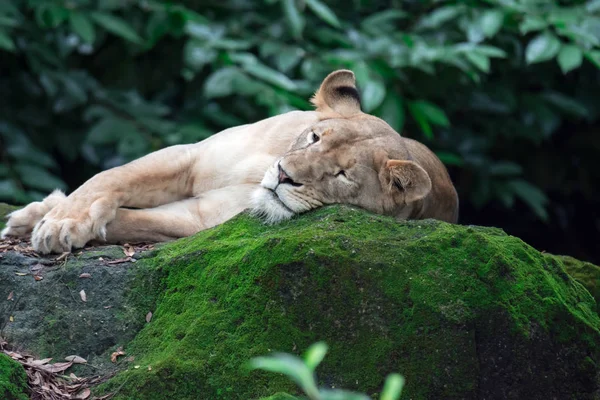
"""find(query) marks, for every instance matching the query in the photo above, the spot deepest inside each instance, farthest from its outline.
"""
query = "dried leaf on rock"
(128, 250)
(56, 367)
(36, 267)
(149, 316)
(114, 355)
(76, 359)
(14, 355)
(120, 260)
(10, 295)
(83, 295)
(63, 256)
(85, 275)
(38, 277)
(37, 378)
(84, 394)
(37, 363)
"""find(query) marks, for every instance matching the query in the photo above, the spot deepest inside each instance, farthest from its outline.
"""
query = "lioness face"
(348, 157)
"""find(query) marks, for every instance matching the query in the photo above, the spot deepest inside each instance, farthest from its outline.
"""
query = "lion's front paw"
(72, 225)
(21, 222)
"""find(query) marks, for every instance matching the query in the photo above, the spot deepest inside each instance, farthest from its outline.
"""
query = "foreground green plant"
(302, 371)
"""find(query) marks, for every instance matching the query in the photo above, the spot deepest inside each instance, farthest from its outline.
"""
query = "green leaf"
(542, 48)
(392, 111)
(294, 17)
(479, 60)
(421, 119)
(50, 15)
(474, 31)
(531, 195)
(449, 158)
(108, 131)
(288, 57)
(326, 394)
(203, 31)
(8, 22)
(563, 16)
(491, 22)
(569, 57)
(382, 21)
(488, 51)
(38, 178)
(439, 16)
(566, 104)
(6, 42)
(592, 6)
(372, 93)
(196, 54)
(82, 26)
(579, 35)
(594, 57)
(532, 23)
(9, 191)
(231, 80)
(323, 12)
(31, 155)
(291, 366)
(505, 168)
(117, 26)
(433, 113)
(392, 389)
(314, 355)
(255, 68)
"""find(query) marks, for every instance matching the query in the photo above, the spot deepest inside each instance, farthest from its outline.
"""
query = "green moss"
(5, 209)
(585, 273)
(461, 312)
(13, 380)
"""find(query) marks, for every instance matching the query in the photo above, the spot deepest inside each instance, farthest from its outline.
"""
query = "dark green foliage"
(504, 91)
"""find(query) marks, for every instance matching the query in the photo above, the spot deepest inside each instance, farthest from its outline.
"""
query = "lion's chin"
(268, 206)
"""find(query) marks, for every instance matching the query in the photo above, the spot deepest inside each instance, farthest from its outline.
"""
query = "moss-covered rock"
(13, 380)
(462, 312)
(49, 318)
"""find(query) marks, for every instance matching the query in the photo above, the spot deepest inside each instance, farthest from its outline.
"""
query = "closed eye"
(342, 173)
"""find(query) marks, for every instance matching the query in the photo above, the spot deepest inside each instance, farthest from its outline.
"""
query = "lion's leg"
(180, 218)
(159, 178)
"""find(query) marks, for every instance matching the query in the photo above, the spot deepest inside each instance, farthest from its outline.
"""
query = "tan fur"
(273, 166)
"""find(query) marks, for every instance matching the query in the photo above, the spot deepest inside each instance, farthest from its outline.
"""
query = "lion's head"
(354, 158)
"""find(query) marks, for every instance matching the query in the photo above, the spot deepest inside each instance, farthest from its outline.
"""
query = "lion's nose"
(285, 178)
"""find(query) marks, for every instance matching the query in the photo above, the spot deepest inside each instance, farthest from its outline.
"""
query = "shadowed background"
(504, 91)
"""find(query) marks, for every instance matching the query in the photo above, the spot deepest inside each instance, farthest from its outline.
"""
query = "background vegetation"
(505, 91)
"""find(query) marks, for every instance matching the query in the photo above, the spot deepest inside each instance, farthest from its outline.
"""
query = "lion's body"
(183, 189)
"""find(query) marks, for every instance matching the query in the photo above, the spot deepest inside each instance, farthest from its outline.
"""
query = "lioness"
(279, 167)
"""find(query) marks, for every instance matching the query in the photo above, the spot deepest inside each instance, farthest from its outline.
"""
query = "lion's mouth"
(276, 197)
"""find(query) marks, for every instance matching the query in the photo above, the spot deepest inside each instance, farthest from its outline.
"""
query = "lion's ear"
(407, 177)
(338, 93)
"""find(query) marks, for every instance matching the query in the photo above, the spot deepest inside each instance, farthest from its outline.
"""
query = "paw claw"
(48, 242)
